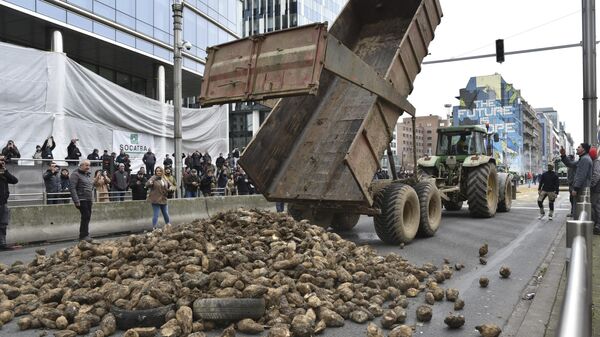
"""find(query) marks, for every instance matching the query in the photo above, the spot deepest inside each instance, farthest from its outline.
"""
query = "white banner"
(135, 144)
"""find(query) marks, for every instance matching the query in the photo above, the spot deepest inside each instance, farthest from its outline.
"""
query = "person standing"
(37, 155)
(242, 183)
(94, 156)
(10, 151)
(73, 153)
(81, 193)
(595, 190)
(171, 179)
(548, 187)
(5, 179)
(65, 186)
(192, 183)
(220, 161)
(52, 184)
(149, 160)
(168, 162)
(159, 188)
(207, 182)
(138, 186)
(583, 174)
(571, 165)
(48, 147)
(101, 183)
(120, 183)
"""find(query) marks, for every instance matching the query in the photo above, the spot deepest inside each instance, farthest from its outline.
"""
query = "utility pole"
(177, 59)
(590, 128)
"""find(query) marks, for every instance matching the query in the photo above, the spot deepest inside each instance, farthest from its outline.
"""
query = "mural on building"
(489, 99)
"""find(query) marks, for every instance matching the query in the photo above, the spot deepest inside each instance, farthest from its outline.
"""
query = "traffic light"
(500, 50)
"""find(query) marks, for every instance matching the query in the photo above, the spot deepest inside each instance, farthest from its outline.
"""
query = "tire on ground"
(482, 191)
(504, 192)
(453, 205)
(344, 222)
(399, 218)
(228, 309)
(430, 206)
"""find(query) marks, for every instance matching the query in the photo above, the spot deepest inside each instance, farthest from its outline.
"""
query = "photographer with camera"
(73, 153)
(5, 179)
(10, 151)
(48, 147)
(52, 183)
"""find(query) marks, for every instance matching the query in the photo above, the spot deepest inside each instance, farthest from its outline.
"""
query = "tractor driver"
(461, 145)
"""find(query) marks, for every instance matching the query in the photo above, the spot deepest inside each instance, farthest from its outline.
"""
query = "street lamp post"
(177, 59)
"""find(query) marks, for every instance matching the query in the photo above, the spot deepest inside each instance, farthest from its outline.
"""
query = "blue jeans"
(190, 194)
(164, 209)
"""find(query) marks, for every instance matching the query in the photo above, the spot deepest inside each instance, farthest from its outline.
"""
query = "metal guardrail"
(576, 311)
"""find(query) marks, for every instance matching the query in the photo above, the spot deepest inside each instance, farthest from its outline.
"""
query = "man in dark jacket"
(206, 183)
(5, 179)
(48, 147)
(73, 153)
(10, 151)
(168, 162)
(52, 183)
(583, 173)
(65, 186)
(197, 162)
(107, 161)
(82, 195)
(548, 187)
(121, 157)
(191, 183)
(138, 186)
(149, 160)
(571, 165)
(120, 183)
(220, 161)
(94, 156)
(242, 183)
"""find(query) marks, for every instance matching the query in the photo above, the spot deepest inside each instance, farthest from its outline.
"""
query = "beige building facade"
(426, 138)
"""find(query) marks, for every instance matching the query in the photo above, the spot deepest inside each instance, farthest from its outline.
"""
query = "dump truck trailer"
(344, 90)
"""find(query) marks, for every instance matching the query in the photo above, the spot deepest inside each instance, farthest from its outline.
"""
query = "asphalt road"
(516, 239)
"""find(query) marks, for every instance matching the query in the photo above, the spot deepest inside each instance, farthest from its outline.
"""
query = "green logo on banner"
(134, 137)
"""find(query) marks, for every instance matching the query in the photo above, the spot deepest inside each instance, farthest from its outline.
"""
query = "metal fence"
(576, 311)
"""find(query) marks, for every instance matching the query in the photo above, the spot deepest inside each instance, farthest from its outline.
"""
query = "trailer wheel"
(482, 191)
(505, 192)
(452, 205)
(318, 217)
(399, 218)
(344, 222)
(430, 206)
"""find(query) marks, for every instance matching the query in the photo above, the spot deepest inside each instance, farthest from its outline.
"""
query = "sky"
(546, 79)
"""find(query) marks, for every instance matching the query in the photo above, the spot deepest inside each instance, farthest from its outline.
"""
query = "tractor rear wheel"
(344, 222)
(452, 205)
(482, 191)
(430, 206)
(505, 193)
(399, 218)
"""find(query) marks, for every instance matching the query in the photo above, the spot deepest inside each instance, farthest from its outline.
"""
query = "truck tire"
(482, 191)
(399, 218)
(344, 222)
(452, 205)
(505, 192)
(228, 309)
(430, 206)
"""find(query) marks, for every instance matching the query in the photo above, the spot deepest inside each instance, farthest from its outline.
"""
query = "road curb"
(531, 318)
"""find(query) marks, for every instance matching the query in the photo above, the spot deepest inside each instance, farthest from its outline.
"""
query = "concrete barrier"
(61, 222)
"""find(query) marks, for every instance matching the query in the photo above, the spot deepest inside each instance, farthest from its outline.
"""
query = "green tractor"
(464, 169)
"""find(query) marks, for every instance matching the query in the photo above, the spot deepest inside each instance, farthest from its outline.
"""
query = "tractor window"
(456, 144)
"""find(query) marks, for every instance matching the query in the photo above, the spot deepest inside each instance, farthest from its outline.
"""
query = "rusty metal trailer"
(344, 91)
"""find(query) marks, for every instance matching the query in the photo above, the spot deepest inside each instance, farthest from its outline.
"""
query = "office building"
(129, 42)
(425, 135)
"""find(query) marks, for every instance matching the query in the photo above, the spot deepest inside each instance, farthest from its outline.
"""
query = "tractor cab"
(461, 141)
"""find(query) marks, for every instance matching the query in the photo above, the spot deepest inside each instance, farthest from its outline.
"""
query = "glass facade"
(206, 22)
(263, 16)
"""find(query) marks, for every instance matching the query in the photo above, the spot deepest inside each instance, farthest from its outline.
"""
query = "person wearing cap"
(548, 187)
(138, 186)
(595, 190)
(192, 183)
(94, 156)
(583, 172)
